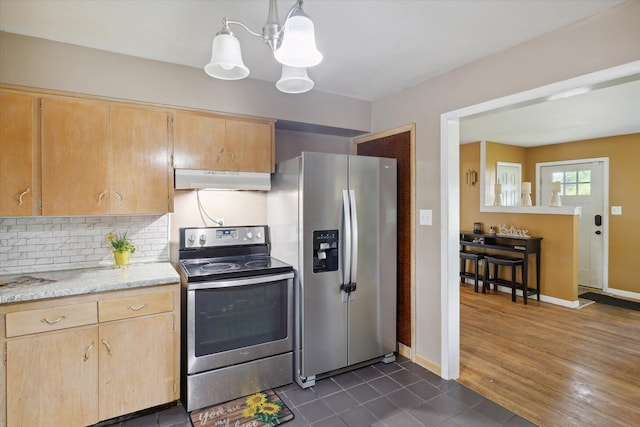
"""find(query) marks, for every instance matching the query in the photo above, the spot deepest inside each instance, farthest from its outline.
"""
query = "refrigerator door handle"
(354, 240)
(346, 252)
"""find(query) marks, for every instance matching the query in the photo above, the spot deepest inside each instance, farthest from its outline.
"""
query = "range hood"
(186, 179)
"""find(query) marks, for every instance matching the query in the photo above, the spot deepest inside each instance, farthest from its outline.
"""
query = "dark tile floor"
(399, 394)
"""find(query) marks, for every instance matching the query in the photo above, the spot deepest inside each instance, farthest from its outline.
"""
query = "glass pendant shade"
(298, 47)
(294, 80)
(226, 59)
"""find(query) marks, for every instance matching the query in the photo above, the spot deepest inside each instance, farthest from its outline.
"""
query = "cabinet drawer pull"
(137, 307)
(53, 322)
(101, 196)
(86, 352)
(119, 197)
(108, 347)
(24, 193)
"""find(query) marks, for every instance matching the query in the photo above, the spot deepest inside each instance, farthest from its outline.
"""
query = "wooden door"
(52, 379)
(136, 364)
(249, 146)
(139, 169)
(198, 141)
(17, 145)
(75, 157)
(398, 146)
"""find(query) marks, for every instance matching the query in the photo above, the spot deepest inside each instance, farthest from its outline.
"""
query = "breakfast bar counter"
(525, 246)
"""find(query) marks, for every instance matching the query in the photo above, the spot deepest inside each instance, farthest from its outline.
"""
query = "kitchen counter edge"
(64, 283)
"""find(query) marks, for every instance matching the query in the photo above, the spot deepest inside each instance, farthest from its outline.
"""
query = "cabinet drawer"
(140, 305)
(50, 319)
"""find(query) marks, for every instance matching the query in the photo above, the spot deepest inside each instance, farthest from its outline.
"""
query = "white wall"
(290, 144)
(606, 40)
(40, 63)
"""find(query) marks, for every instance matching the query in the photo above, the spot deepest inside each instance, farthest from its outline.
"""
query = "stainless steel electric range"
(237, 320)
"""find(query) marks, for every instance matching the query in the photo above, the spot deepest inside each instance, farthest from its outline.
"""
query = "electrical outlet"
(220, 221)
(616, 210)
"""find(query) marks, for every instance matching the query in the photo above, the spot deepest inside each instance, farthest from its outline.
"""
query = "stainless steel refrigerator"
(333, 217)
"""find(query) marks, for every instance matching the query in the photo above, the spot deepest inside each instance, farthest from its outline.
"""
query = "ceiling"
(608, 111)
(371, 48)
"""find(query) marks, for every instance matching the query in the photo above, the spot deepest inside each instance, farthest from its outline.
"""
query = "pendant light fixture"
(293, 44)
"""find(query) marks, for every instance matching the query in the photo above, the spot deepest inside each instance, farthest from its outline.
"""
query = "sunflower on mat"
(259, 407)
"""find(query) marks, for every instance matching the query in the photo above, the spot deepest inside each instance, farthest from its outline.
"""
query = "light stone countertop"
(65, 283)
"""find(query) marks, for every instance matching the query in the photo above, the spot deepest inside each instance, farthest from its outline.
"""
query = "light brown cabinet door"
(17, 192)
(198, 142)
(136, 364)
(249, 146)
(52, 379)
(75, 157)
(139, 172)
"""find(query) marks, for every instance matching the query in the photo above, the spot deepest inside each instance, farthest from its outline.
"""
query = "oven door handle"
(243, 281)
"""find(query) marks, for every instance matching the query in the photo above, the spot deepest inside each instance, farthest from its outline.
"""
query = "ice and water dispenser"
(325, 251)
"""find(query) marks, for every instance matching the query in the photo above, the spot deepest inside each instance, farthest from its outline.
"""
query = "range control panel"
(223, 236)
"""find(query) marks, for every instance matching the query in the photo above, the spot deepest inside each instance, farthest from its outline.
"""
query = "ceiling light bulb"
(226, 58)
(298, 47)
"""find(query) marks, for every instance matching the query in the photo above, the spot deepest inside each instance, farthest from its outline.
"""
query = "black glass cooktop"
(232, 267)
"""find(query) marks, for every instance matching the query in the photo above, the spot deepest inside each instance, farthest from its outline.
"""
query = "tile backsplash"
(31, 244)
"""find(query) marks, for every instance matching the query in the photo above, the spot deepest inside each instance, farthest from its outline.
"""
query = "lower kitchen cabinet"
(75, 361)
(135, 365)
(52, 379)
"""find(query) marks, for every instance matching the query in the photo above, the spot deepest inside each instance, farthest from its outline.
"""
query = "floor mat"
(606, 299)
(259, 409)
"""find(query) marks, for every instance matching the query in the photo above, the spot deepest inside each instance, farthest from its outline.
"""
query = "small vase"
(121, 258)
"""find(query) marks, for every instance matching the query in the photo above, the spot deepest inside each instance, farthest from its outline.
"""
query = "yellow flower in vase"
(120, 246)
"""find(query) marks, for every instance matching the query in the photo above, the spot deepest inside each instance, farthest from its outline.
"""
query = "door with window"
(509, 176)
(582, 183)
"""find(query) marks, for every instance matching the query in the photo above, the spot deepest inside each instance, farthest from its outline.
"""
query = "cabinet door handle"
(53, 322)
(233, 156)
(24, 193)
(137, 307)
(86, 352)
(119, 197)
(101, 196)
(108, 347)
(220, 154)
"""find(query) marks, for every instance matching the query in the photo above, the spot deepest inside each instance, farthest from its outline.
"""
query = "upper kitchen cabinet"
(100, 158)
(209, 142)
(18, 155)
(250, 146)
(198, 141)
(75, 157)
(139, 165)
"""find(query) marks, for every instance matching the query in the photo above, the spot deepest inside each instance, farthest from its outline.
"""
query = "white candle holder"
(555, 194)
(525, 200)
(497, 199)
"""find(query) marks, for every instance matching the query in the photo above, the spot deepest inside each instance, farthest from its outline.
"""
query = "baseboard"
(625, 294)
(404, 350)
(428, 364)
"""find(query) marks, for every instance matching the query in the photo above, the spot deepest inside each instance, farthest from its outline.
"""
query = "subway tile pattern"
(400, 394)
(32, 244)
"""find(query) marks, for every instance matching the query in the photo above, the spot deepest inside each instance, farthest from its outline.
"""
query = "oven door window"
(235, 317)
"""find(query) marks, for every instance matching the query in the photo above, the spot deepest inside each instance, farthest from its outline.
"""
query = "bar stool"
(495, 261)
(476, 257)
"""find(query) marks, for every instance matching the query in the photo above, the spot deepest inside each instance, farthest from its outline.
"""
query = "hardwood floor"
(552, 365)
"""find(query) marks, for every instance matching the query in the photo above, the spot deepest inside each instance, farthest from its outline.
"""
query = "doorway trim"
(605, 203)
(450, 194)
(411, 128)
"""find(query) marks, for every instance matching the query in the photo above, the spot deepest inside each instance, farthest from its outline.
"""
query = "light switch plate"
(616, 210)
(426, 217)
